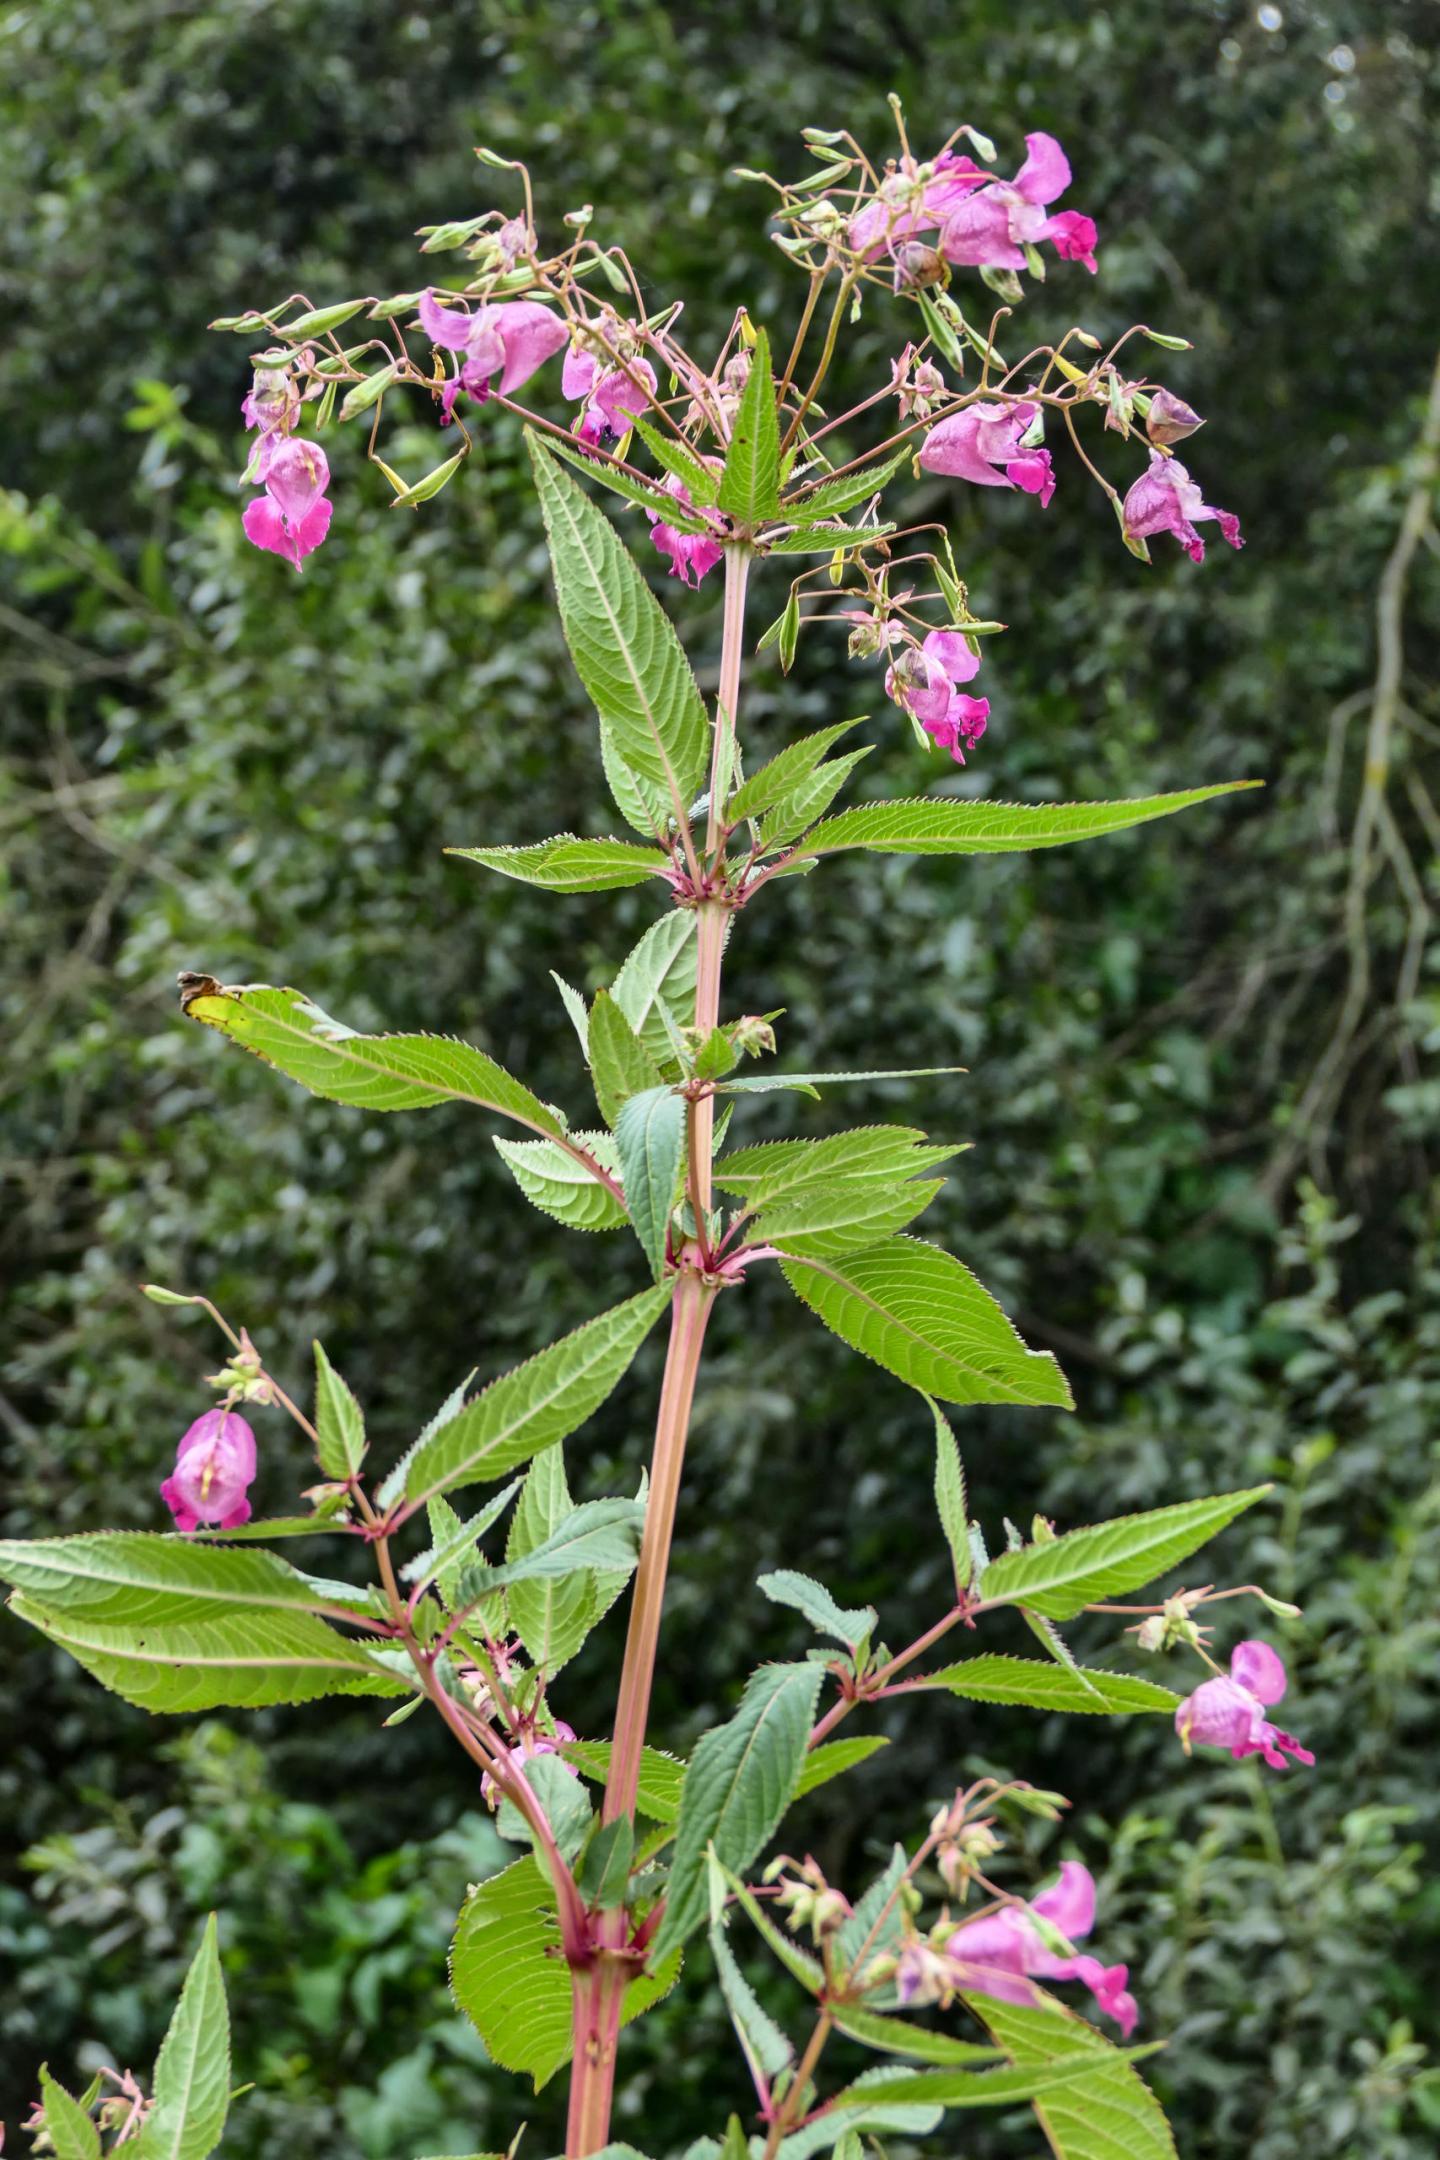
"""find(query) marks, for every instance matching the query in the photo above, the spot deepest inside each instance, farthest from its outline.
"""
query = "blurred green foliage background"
(209, 762)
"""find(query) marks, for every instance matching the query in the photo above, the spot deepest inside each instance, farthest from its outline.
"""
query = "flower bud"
(1169, 419)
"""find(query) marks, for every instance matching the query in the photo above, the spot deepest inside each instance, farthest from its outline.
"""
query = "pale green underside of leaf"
(849, 1625)
(1107, 2114)
(339, 1421)
(624, 647)
(554, 1181)
(1041, 1686)
(742, 1777)
(1106, 1560)
(650, 1135)
(137, 1577)
(508, 1976)
(930, 826)
(192, 2070)
(620, 1065)
(366, 1072)
(825, 539)
(760, 2037)
(243, 1658)
(655, 988)
(944, 2088)
(71, 2132)
(807, 1083)
(530, 1407)
(917, 1312)
(569, 865)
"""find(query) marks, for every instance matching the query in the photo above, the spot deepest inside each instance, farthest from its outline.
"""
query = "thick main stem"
(599, 1988)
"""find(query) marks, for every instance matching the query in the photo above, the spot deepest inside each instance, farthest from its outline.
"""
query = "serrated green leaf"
(453, 1543)
(601, 1534)
(620, 1065)
(508, 1975)
(1041, 1686)
(767, 1083)
(876, 1924)
(136, 1578)
(624, 647)
(833, 496)
(650, 1136)
(566, 1804)
(762, 2043)
(750, 483)
(367, 1072)
(550, 1614)
(824, 1223)
(339, 1421)
(569, 865)
(922, 1316)
(645, 493)
(741, 1778)
(864, 2113)
(951, 1502)
(662, 1777)
(72, 2134)
(678, 458)
(882, 1152)
(192, 2070)
(825, 539)
(528, 1408)
(893, 2036)
(560, 1185)
(852, 1626)
(1108, 2113)
(834, 1758)
(577, 1010)
(643, 806)
(238, 1656)
(962, 2088)
(655, 989)
(935, 826)
(784, 773)
(1106, 1560)
(604, 1873)
(810, 800)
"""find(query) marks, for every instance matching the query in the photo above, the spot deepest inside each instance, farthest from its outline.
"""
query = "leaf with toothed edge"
(933, 825)
(570, 865)
(1059, 1578)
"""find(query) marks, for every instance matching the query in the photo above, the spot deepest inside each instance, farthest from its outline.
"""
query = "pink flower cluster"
(1166, 499)
(611, 398)
(214, 1468)
(1230, 1712)
(982, 221)
(1003, 1954)
(292, 517)
(924, 681)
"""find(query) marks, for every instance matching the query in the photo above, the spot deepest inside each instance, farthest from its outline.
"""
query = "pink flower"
(292, 517)
(1231, 1713)
(907, 205)
(1170, 419)
(214, 1465)
(509, 338)
(530, 1744)
(1166, 499)
(973, 445)
(918, 385)
(1002, 1953)
(960, 726)
(921, 679)
(611, 397)
(691, 554)
(990, 227)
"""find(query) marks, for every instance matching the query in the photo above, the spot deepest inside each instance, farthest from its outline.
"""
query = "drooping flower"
(990, 227)
(983, 444)
(923, 681)
(1170, 419)
(610, 397)
(1230, 1713)
(532, 1742)
(911, 201)
(214, 1467)
(1002, 1954)
(508, 338)
(1166, 499)
(692, 555)
(918, 385)
(292, 517)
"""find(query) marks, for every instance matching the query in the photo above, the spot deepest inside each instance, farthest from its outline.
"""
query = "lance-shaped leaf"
(1106, 1560)
(568, 865)
(750, 483)
(783, 774)
(938, 826)
(597, 1534)
(762, 2043)
(624, 648)
(883, 1152)
(566, 1804)
(644, 492)
(860, 2113)
(852, 1626)
(807, 1083)
(71, 2133)
(650, 1134)
(1041, 1686)
(951, 1502)
(558, 1183)
(741, 1779)
(508, 1975)
(454, 1543)
(810, 800)
(825, 1222)
(529, 1408)
(137, 1578)
(236, 1656)
(551, 1614)
(963, 2088)
(680, 459)
(1108, 2113)
(192, 2070)
(919, 1313)
(894, 2036)
(662, 1777)
(655, 989)
(339, 1421)
(833, 496)
(368, 1072)
(826, 539)
(643, 805)
(620, 1065)
(834, 1758)
(877, 1921)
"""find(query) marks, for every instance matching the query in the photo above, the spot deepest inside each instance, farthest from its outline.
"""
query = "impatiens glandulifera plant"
(634, 1854)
